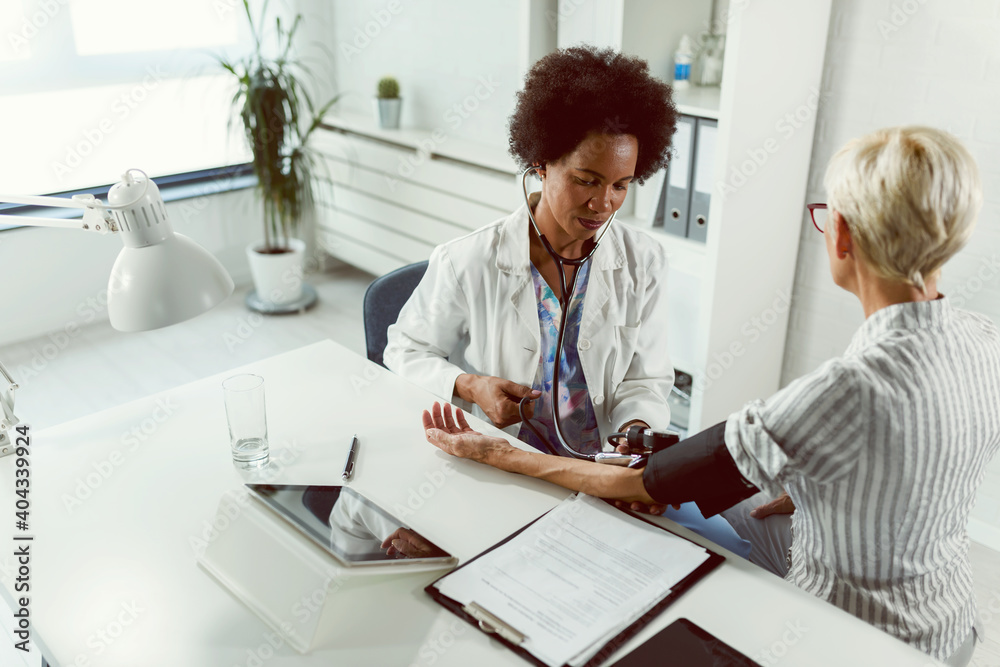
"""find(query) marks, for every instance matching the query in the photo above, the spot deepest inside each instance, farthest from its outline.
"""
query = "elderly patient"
(882, 449)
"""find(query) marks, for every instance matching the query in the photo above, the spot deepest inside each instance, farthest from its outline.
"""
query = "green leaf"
(273, 105)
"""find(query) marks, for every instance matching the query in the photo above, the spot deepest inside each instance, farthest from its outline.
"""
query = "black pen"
(351, 457)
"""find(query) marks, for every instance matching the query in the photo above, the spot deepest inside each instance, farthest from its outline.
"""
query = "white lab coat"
(475, 312)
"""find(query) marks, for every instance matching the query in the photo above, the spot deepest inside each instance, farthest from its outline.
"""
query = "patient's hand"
(456, 437)
(781, 505)
(499, 398)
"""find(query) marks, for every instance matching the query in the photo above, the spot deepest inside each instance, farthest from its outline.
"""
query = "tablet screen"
(685, 644)
(348, 525)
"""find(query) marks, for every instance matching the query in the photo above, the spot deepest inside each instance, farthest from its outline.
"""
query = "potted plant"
(388, 103)
(278, 117)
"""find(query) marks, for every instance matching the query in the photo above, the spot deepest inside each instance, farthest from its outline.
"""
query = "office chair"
(384, 298)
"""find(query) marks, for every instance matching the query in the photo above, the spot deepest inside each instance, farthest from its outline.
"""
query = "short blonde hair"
(910, 197)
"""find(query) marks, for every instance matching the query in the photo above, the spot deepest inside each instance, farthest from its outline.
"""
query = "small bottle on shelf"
(682, 64)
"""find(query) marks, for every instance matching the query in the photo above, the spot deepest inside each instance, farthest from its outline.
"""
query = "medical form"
(573, 580)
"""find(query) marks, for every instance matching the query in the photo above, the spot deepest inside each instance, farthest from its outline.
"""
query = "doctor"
(482, 326)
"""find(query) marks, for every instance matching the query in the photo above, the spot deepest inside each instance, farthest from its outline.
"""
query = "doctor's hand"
(499, 398)
(623, 447)
(642, 508)
(454, 435)
(781, 505)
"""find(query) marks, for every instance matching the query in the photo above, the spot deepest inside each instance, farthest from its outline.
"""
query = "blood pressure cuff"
(698, 468)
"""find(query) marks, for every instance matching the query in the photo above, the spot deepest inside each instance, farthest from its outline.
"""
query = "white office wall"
(55, 280)
(894, 63)
(457, 62)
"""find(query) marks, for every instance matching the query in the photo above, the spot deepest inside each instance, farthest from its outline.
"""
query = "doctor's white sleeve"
(642, 393)
(430, 326)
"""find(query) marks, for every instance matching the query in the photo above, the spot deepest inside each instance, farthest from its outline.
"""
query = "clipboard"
(512, 639)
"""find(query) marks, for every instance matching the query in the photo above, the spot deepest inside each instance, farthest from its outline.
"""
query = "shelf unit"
(730, 296)
(386, 198)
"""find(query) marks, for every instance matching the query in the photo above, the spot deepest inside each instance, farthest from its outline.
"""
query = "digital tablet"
(684, 644)
(349, 526)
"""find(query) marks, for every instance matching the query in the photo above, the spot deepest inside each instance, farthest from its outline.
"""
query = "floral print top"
(579, 424)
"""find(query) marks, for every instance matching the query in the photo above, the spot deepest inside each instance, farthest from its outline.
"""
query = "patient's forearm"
(595, 479)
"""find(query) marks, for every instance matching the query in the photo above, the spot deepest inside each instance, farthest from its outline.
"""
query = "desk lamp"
(160, 278)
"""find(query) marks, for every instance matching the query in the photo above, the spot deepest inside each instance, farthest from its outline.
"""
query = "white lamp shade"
(163, 284)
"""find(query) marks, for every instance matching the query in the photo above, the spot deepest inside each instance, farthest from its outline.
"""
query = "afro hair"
(572, 92)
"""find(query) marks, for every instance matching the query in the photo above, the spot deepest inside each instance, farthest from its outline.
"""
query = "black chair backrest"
(384, 298)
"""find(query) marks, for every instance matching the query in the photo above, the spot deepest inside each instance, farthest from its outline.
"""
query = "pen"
(351, 457)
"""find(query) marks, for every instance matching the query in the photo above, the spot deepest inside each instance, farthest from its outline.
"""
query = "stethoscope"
(565, 295)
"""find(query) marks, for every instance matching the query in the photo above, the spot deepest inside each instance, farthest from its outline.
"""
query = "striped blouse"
(882, 451)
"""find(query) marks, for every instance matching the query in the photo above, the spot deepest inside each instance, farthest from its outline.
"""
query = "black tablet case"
(713, 561)
(684, 644)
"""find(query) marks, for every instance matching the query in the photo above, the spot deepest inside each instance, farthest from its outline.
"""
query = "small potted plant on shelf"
(388, 103)
(278, 117)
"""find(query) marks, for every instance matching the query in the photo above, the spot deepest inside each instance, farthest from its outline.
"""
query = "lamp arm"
(7, 418)
(96, 217)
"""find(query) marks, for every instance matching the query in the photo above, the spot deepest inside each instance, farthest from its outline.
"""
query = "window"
(90, 88)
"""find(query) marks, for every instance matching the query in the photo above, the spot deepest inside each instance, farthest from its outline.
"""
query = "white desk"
(121, 562)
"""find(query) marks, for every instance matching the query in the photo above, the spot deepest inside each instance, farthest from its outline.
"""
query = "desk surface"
(121, 501)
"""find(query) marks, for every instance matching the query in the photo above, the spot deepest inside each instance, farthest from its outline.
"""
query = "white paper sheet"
(575, 578)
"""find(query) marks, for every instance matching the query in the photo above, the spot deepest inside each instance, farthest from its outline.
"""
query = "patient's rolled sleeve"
(758, 457)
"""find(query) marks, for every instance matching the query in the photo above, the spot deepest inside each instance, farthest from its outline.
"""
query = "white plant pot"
(277, 277)
(387, 111)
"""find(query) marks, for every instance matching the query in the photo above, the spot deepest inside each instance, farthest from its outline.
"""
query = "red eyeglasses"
(819, 214)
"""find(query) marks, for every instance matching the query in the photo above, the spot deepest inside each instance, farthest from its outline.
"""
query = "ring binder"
(676, 193)
(701, 182)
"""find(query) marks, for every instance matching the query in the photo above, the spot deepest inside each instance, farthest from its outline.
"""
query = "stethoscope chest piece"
(566, 293)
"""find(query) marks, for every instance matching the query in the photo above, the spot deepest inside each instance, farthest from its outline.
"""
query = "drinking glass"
(244, 396)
